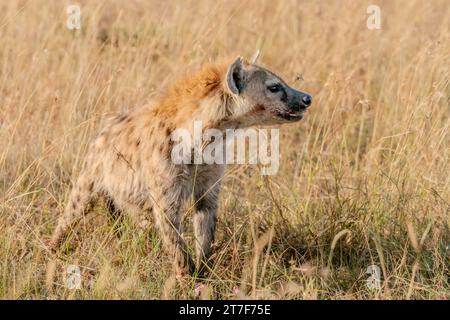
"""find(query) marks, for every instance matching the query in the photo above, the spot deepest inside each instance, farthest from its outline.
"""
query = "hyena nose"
(306, 100)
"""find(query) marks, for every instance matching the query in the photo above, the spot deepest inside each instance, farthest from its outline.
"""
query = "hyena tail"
(80, 200)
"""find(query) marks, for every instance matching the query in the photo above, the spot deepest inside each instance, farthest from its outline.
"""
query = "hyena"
(129, 162)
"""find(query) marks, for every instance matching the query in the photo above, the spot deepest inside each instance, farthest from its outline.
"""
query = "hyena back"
(129, 162)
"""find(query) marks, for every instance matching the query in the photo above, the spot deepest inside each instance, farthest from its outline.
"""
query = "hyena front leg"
(167, 213)
(206, 197)
(205, 218)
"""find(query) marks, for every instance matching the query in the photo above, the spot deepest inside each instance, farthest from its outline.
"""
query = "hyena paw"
(199, 288)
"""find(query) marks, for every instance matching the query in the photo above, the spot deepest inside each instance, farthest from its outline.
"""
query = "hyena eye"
(274, 88)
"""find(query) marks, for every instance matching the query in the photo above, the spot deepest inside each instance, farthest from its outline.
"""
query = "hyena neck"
(199, 97)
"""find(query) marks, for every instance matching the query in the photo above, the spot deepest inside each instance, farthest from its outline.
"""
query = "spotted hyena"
(129, 162)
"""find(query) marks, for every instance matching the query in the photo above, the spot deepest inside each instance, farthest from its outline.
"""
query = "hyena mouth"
(290, 115)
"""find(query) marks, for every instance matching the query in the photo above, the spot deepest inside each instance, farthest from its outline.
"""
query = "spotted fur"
(129, 162)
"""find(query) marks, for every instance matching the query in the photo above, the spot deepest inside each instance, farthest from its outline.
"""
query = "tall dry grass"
(364, 179)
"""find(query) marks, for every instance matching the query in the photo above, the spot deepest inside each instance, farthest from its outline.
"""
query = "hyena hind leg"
(115, 214)
(138, 216)
(79, 204)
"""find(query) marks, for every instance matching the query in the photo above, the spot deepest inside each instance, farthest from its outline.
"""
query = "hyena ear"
(235, 76)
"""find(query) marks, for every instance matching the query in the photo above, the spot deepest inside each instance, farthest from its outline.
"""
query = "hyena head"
(261, 97)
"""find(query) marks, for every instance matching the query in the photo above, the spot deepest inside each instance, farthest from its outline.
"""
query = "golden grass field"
(364, 178)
